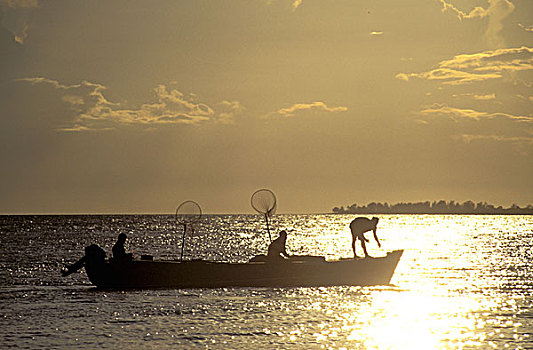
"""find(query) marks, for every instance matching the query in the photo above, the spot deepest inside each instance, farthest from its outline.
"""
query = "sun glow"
(435, 301)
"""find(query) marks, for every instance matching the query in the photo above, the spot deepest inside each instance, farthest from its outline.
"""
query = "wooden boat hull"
(142, 274)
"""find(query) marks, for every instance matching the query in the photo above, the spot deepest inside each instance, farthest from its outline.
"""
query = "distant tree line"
(440, 207)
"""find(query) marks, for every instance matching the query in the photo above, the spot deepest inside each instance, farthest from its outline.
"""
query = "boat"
(298, 271)
(125, 272)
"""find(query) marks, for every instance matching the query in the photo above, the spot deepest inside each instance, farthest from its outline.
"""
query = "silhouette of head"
(283, 234)
(122, 237)
(375, 219)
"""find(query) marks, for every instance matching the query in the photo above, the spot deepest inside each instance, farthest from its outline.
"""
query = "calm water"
(463, 282)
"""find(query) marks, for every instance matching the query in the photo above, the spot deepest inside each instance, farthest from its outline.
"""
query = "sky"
(136, 106)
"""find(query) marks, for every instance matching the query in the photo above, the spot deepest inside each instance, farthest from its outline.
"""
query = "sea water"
(463, 282)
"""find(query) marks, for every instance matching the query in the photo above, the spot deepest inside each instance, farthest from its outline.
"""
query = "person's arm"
(67, 270)
(284, 252)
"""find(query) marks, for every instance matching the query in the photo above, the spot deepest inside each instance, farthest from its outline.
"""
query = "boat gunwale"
(389, 255)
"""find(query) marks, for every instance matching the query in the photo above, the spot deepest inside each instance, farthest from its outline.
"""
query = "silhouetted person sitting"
(358, 227)
(119, 253)
(276, 249)
(93, 255)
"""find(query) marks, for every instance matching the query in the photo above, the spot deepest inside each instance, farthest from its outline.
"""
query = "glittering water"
(463, 282)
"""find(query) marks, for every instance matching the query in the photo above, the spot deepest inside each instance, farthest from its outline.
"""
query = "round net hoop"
(188, 213)
(264, 202)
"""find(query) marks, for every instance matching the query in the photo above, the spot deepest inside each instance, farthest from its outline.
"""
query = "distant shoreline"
(251, 214)
(435, 208)
(406, 213)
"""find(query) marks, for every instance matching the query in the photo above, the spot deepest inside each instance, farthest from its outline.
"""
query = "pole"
(183, 241)
(268, 228)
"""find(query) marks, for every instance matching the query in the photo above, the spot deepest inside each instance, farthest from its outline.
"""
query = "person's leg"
(363, 244)
(354, 238)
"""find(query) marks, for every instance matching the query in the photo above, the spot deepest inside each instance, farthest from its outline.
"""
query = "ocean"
(464, 282)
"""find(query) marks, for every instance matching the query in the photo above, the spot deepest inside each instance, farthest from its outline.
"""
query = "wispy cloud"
(470, 68)
(495, 12)
(21, 35)
(305, 107)
(15, 17)
(450, 76)
(527, 29)
(227, 111)
(512, 59)
(474, 125)
(376, 33)
(485, 97)
(93, 111)
(454, 113)
(296, 4)
(20, 3)
(467, 138)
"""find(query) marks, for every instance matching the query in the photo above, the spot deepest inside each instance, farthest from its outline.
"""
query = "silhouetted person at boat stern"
(119, 253)
(358, 227)
(276, 249)
(94, 255)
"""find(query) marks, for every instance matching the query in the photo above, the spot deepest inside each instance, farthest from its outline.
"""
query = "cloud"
(474, 125)
(15, 17)
(477, 67)
(476, 12)
(527, 29)
(485, 97)
(467, 138)
(292, 4)
(455, 113)
(296, 4)
(496, 12)
(57, 85)
(404, 76)
(302, 107)
(90, 109)
(228, 110)
(512, 59)
(20, 3)
(21, 35)
(449, 76)
(93, 111)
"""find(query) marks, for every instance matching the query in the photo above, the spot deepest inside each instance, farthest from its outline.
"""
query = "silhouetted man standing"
(358, 227)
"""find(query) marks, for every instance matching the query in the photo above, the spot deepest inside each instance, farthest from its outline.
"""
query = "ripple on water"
(463, 282)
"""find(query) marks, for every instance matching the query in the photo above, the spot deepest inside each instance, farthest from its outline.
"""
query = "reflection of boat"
(296, 272)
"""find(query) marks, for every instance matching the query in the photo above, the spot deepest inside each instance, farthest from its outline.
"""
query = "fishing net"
(264, 202)
(188, 214)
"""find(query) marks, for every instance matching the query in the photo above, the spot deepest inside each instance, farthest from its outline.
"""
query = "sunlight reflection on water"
(463, 282)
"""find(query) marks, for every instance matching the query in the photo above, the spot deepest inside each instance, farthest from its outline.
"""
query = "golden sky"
(136, 106)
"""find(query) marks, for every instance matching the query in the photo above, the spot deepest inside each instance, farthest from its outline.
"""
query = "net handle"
(268, 211)
(268, 228)
(183, 241)
(184, 220)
